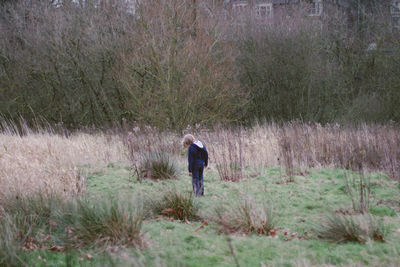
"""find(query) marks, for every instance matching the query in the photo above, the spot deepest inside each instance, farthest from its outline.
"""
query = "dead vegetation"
(247, 217)
(340, 228)
(297, 146)
(48, 162)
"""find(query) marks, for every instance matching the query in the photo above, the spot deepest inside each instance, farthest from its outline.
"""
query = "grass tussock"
(55, 223)
(9, 245)
(180, 206)
(158, 166)
(33, 214)
(148, 152)
(246, 217)
(340, 228)
(103, 223)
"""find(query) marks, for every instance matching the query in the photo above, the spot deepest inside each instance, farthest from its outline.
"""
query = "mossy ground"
(298, 206)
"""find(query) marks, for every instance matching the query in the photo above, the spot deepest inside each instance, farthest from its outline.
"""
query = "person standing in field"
(197, 161)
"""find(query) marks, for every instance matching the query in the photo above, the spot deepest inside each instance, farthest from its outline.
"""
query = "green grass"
(297, 208)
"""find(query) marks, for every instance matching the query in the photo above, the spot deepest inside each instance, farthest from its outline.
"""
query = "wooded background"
(176, 63)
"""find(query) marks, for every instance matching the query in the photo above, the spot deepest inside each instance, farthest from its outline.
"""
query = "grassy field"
(298, 210)
(298, 207)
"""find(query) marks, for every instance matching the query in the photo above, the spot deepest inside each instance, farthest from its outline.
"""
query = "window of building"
(316, 8)
(396, 23)
(239, 8)
(264, 11)
(395, 8)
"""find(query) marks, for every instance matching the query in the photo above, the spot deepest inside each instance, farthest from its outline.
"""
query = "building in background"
(354, 13)
(395, 14)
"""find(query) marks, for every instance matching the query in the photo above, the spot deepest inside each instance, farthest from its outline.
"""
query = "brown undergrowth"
(297, 146)
(48, 162)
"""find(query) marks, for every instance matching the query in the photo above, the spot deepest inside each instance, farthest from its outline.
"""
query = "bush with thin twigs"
(227, 151)
(146, 148)
(180, 206)
(358, 187)
(286, 154)
(363, 147)
(339, 228)
(370, 147)
(246, 217)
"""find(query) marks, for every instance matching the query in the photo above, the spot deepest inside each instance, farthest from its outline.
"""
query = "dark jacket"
(197, 155)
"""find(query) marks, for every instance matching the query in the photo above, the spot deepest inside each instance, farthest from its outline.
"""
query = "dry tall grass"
(47, 162)
(296, 146)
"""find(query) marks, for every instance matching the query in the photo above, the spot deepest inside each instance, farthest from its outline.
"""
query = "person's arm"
(206, 157)
(190, 159)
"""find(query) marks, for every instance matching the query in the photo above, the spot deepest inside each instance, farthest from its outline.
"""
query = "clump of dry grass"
(341, 228)
(159, 166)
(235, 150)
(58, 223)
(246, 217)
(172, 203)
(104, 223)
(144, 146)
(36, 163)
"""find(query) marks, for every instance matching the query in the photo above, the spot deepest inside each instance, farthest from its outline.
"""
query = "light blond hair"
(187, 140)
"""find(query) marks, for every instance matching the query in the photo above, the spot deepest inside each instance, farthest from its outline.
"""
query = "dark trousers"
(197, 180)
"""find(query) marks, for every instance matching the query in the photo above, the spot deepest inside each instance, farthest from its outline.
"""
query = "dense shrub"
(84, 64)
(176, 63)
(296, 71)
(227, 152)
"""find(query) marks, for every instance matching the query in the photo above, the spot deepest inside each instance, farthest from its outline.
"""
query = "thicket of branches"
(337, 68)
(180, 62)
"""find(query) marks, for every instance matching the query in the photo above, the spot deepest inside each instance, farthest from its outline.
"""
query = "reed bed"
(49, 162)
(298, 146)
